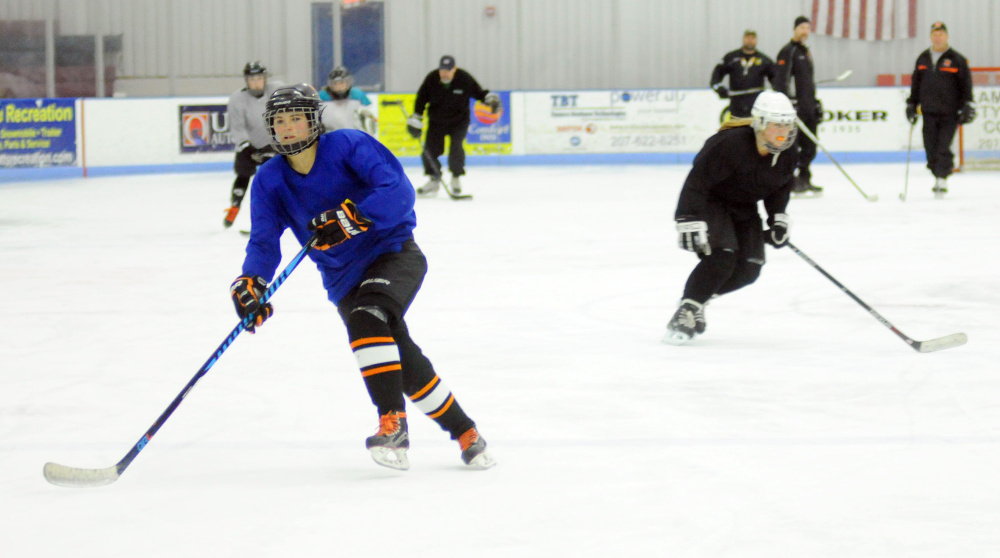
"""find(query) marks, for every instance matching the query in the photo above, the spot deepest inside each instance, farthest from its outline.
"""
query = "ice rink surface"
(797, 425)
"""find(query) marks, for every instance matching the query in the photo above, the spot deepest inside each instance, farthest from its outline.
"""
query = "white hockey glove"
(415, 125)
(777, 235)
(693, 235)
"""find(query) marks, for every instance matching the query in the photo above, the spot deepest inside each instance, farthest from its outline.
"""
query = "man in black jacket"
(794, 77)
(942, 87)
(746, 68)
(447, 91)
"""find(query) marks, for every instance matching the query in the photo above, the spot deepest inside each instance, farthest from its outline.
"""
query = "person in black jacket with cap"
(794, 77)
(746, 67)
(942, 87)
(446, 91)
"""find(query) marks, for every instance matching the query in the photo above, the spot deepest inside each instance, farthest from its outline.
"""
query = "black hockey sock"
(746, 272)
(423, 386)
(240, 186)
(378, 358)
(710, 275)
(436, 401)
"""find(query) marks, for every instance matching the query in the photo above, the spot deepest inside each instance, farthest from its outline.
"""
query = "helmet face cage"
(340, 76)
(300, 98)
(774, 108)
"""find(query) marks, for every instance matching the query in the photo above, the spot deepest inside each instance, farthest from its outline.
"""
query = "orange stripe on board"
(371, 340)
(380, 369)
(451, 399)
(427, 388)
(951, 70)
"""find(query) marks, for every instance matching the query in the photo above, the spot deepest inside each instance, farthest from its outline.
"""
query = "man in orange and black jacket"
(942, 87)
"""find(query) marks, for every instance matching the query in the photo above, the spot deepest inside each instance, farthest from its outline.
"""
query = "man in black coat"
(942, 87)
(795, 78)
(746, 68)
(446, 92)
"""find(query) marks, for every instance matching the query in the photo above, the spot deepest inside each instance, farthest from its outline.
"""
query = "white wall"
(528, 44)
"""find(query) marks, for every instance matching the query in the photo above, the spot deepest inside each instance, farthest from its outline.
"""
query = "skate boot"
(230, 217)
(431, 188)
(683, 326)
(699, 320)
(456, 185)
(389, 444)
(474, 452)
(940, 188)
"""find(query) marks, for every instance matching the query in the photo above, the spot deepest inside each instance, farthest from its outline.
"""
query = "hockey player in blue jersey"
(351, 192)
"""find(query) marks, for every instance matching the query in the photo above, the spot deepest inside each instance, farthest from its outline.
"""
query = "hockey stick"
(939, 344)
(841, 77)
(807, 132)
(62, 475)
(427, 157)
(745, 91)
(909, 148)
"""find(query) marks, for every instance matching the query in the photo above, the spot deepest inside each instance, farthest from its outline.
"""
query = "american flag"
(869, 20)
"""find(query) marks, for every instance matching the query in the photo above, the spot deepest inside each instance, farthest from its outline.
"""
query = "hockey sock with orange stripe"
(436, 401)
(378, 359)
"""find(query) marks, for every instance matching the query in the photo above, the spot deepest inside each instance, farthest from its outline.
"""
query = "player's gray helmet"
(772, 107)
(294, 98)
(339, 75)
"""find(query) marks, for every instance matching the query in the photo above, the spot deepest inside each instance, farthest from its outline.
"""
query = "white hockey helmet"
(772, 107)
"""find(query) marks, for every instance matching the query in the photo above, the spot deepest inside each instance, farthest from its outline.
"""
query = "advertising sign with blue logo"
(204, 128)
(489, 132)
(37, 133)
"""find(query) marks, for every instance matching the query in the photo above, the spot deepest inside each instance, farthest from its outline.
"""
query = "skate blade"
(391, 458)
(676, 338)
(482, 461)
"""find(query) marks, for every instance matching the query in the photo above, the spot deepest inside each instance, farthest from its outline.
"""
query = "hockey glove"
(967, 114)
(721, 91)
(777, 235)
(339, 225)
(415, 125)
(247, 292)
(693, 234)
(911, 112)
(819, 110)
(493, 101)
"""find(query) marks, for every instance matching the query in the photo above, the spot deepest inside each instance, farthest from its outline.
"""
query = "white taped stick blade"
(942, 343)
(61, 475)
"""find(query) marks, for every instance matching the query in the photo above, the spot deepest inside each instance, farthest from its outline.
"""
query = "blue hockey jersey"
(352, 165)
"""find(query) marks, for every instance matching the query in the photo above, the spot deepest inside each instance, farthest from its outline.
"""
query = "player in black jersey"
(746, 68)
(795, 78)
(717, 215)
(942, 86)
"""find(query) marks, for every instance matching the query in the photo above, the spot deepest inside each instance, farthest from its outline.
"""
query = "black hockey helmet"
(303, 98)
(254, 68)
(339, 75)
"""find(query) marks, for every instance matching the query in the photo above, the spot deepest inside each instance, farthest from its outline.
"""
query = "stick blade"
(942, 343)
(61, 475)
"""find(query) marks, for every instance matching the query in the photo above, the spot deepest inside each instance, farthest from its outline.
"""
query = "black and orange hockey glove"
(337, 226)
(247, 292)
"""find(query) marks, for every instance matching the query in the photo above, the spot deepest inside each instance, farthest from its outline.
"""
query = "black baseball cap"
(939, 26)
(447, 62)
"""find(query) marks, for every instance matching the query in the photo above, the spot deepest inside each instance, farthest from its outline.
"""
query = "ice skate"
(940, 188)
(456, 185)
(389, 444)
(230, 217)
(474, 452)
(431, 188)
(803, 188)
(684, 325)
(699, 320)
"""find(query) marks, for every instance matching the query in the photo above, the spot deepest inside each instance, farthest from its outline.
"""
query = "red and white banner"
(869, 20)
